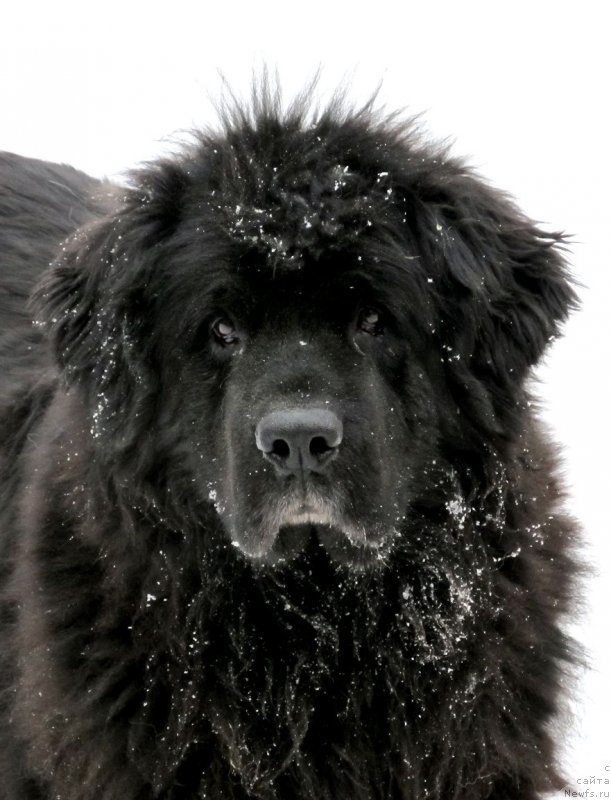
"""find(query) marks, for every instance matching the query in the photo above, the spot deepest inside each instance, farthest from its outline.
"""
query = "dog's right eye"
(370, 321)
(225, 332)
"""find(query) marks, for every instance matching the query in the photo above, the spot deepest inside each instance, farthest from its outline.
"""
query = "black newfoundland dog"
(277, 519)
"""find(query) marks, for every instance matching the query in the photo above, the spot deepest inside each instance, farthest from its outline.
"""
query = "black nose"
(299, 439)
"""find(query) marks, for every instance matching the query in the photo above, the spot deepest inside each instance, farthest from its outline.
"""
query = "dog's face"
(306, 405)
(309, 329)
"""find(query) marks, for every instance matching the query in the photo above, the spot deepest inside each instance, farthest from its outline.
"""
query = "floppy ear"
(95, 309)
(505, 288)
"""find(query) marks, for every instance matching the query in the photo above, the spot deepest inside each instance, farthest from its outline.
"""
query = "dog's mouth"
(311, 524)
(311, 531)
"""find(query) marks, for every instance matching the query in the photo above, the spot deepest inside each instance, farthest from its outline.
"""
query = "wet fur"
(145, 655)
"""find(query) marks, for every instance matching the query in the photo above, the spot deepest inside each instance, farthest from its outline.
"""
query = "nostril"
(280, 448)
(319, 446)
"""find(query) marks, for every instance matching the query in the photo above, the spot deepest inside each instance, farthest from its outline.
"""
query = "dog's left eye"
(370, 321)
(225, 331)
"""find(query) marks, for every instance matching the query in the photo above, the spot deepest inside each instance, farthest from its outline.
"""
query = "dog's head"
(307, 325)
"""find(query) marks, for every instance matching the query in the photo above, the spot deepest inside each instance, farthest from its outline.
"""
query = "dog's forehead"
(315, 287)
(290, 214)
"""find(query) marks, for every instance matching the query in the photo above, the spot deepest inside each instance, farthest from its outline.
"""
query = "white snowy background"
(523, 90)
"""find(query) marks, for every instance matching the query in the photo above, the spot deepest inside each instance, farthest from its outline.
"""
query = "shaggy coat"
(185, 614)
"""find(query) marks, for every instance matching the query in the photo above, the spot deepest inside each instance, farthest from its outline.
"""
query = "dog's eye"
(370, 321)
(224, 331)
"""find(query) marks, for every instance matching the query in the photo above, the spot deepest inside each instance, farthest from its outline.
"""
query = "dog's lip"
(305, 514)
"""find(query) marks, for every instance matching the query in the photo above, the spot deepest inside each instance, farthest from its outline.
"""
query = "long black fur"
(147, 650)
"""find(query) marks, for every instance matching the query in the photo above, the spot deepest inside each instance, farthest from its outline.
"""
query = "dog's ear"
(509, 276)
(499, 285)
(93, 303)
